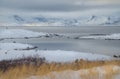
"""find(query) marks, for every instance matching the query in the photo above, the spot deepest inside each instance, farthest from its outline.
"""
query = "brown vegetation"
(13, 69)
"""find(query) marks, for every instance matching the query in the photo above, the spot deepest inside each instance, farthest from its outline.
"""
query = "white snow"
(106, 17)
(44, 24)
(14, 46)
(7, 52)
(93, 73)
(67, 56)
(111, 36)
(98, 20)
(18, 33)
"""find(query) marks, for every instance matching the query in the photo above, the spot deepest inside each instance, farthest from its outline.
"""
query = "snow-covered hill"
(18, 20)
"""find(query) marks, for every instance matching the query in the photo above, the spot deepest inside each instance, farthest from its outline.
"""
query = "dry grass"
(107, 72)
(40, 69)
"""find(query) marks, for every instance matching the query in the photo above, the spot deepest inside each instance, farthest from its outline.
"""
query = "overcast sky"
(57, 6)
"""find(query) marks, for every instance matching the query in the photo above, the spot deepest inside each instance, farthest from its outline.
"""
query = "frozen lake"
(107, 47)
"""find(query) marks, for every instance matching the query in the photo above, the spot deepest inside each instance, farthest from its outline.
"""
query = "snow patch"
(7, 52)
(111, 36)
(18, 33)
(14, 46)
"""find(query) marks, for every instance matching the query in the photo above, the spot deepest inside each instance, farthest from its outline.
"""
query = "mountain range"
(18, 20)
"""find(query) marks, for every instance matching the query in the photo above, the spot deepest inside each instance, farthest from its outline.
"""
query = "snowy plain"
(17, 50)
(8, 51)
(107, 37)
(19, 33)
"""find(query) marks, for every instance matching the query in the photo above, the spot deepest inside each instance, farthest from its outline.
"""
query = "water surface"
(107, 47)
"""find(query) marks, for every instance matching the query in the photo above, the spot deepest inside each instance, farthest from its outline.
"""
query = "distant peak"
(93, 17)
(18, 18)
(41, 19)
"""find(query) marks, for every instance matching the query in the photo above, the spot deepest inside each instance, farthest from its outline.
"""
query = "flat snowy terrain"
(8, 51)
(19, 33)
(110, 36)
(18, 50)
(14, 46)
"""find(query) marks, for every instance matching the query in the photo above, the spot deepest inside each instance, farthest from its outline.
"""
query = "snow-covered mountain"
(18, 20)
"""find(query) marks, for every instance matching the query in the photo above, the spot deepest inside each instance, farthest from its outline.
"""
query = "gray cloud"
(58, 5)
(46, 5)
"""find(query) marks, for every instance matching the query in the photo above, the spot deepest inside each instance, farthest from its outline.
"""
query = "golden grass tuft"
(24, 71)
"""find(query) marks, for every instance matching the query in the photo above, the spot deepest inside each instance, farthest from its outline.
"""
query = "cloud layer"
(57, 5)
(57, 8)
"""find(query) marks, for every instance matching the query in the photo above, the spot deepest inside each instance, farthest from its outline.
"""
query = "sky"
(58, 7)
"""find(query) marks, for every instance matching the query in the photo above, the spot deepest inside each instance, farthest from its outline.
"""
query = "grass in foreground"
(23, 68)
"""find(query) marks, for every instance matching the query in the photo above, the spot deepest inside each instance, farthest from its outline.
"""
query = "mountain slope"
(59, 21)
